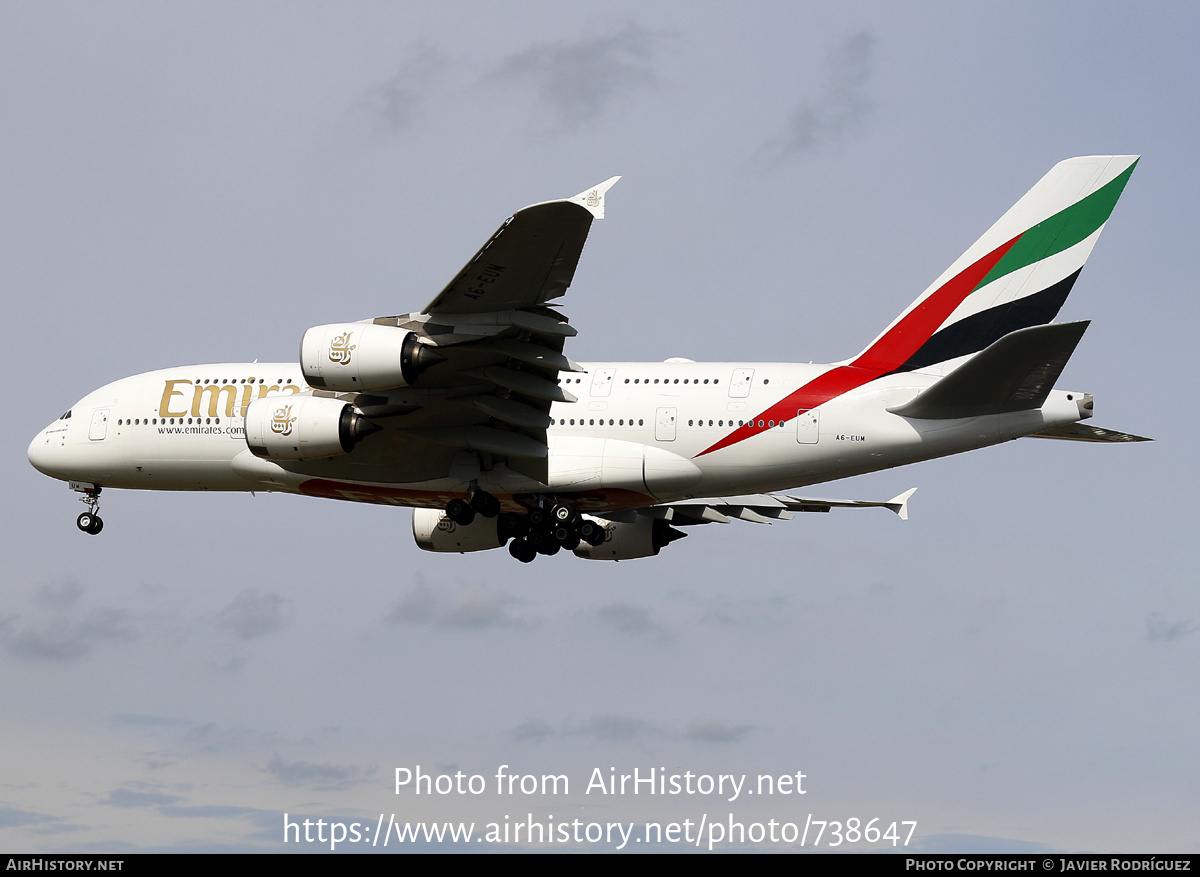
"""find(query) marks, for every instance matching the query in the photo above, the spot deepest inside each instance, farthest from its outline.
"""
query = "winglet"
(593, 198)
(899, 504)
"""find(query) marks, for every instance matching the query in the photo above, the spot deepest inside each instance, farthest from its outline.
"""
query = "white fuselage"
(639, 432)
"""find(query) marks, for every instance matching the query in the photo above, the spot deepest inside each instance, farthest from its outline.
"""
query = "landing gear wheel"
(511, 525)
(89, 523)
(460, 512)
(542, 542)
(591, 533)
(521, 550)
(538, 540)
(484, 503)
(562, 533)
(562, 513)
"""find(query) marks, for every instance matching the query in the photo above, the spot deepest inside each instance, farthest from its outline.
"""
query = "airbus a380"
(470, 412)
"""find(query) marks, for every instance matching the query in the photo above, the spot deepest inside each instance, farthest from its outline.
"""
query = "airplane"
(470, 412)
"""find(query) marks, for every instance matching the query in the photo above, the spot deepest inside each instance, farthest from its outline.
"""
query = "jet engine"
(435, 532)
(645, 537)
(363, 356)
(303, 427)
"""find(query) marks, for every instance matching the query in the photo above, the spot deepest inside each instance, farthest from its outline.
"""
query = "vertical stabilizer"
(1017, 275)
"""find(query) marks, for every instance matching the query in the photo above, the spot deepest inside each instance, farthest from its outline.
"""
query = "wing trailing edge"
(1080, 432)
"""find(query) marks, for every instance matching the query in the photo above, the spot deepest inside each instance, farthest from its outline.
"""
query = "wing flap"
(764, 508)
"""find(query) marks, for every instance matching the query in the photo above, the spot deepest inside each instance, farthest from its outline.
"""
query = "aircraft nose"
(43, 452)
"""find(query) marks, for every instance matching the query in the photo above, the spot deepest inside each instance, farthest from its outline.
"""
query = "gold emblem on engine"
(340, 347)
(281, 423)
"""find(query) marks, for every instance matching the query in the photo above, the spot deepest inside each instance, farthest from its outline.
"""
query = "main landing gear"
(476, 502)
(547, 529)
(89, 522)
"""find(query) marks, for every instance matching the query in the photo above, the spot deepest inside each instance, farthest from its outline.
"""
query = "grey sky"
(840, 107)
(1014, 667)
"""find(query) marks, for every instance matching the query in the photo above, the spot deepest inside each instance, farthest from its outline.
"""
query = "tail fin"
(1016, 276)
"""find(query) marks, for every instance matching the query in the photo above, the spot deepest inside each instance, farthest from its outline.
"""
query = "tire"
(592, 533)
(520, 550)
(485, 504)
(511, 525)
(459, 512)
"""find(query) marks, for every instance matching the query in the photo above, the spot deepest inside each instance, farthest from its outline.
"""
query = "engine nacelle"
(363, 357)
(303, 427)
(435, 532)
(645, 537)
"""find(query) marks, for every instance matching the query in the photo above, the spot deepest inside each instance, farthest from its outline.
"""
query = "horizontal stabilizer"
(1015, 373)
(1079, 432)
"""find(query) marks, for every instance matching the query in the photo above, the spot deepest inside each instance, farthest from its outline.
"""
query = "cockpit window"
(66, 416)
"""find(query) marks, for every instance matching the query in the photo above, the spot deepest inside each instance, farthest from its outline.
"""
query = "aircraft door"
(602, 381)
(664, 425)
(739, 384)
(808, 425)
(99, 428)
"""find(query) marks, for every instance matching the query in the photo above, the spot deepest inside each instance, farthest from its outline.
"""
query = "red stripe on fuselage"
(884, 356)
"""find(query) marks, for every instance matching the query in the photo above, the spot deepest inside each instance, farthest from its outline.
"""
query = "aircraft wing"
(1081, 432)
(497, 345)
(528, 261)
(761, 508)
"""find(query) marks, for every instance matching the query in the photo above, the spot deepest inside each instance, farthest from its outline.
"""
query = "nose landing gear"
(89, 522)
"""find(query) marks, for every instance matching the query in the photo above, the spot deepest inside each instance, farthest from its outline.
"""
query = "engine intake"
(364, 356)
(303, 427)
(645, 537)
(433, 531)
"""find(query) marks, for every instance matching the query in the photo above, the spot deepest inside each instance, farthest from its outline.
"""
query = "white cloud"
(252, 614)
(576, 81)
(841, 107)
